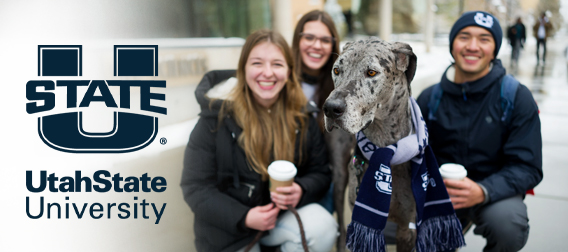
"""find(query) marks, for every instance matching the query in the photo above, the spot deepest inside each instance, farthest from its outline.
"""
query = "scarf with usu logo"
(438, 228)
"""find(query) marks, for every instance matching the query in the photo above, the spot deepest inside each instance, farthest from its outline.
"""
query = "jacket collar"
(480, 85)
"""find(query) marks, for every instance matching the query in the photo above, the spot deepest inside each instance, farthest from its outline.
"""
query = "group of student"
(268, 116)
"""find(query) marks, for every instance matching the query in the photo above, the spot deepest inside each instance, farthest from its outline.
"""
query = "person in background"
(314, 42)
(541, 31)
(566, 56)
(517, 36)
(265, 118)
(503, 158)
(315, 46)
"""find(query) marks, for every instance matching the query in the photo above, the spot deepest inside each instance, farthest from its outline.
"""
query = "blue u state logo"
(65, 131)
(383, 179)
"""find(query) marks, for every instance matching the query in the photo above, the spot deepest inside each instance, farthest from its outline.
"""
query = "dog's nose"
(334, 108)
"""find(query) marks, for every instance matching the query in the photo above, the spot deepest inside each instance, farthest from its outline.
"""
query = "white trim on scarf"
(370, 209)
(437, 202)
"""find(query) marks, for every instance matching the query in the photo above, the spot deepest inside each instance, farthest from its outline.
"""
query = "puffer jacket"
(505, 158)
(219, 185)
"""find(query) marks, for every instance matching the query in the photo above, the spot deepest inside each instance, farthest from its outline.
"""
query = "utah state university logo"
(483, 20)
(65, 131)
(384, 179)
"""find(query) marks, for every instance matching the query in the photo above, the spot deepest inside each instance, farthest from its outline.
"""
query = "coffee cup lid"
(282, 170)
(453, 171)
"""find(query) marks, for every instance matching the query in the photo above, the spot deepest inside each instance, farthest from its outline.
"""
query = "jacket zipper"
(251, 188)
(465, 151)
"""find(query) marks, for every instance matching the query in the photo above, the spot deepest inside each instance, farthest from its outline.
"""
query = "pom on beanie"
(481, 19)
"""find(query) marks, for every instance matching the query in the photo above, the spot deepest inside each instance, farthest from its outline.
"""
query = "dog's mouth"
(330, 125)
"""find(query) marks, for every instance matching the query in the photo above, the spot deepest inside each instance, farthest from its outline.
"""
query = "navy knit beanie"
(481, 19)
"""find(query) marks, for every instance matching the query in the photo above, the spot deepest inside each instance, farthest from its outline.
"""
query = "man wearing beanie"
(470, 123)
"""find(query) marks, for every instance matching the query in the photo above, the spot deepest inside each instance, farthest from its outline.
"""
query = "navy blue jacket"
(506, 158)
(220, 186)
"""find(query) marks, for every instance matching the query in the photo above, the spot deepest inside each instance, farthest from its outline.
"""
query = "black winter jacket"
(220, 186)
(505, 158)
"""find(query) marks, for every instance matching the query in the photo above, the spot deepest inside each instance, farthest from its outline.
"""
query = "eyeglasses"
(311, 39)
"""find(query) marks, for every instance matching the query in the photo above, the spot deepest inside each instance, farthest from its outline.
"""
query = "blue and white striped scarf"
(438, 228)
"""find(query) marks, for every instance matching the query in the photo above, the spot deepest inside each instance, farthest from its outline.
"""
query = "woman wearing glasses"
(316, 47)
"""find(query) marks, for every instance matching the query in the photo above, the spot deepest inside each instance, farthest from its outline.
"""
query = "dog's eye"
(371, 73)
(336, 71)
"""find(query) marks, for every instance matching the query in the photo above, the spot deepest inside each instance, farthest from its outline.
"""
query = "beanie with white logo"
(481, 19)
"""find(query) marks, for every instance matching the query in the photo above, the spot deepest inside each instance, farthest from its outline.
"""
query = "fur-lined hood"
(218, 84)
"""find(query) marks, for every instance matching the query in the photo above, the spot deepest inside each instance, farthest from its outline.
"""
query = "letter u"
(42, 182)
(40, 208)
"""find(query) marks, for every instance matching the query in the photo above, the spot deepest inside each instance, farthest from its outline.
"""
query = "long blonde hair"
(267, 136)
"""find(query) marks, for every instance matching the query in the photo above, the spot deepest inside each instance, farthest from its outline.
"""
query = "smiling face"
(266, 73)
(315, 47)
(472, 50)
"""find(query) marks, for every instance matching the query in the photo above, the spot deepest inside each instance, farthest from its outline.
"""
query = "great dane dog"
(372, 87)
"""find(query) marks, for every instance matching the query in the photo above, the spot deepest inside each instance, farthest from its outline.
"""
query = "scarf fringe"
(440, 233)
(363, 238)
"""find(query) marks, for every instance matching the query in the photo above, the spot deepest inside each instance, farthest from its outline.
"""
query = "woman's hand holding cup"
(283, 190)
(287, 195)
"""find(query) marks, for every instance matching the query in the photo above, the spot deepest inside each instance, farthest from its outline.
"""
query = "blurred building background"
(225, 18)
(423, 21)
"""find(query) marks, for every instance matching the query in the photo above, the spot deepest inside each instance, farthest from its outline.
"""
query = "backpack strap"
(434, 102)
(509, 87)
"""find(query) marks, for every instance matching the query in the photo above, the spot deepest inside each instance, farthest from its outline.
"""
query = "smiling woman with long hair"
(315, 47)
(271, 120)
(264, 118)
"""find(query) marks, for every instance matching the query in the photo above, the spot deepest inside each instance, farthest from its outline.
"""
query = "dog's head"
(368, 75)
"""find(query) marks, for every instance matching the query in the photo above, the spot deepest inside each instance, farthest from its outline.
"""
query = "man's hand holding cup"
(463, 191)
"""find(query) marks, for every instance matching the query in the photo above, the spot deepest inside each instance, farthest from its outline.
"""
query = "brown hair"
(267, 136)
(325, 80)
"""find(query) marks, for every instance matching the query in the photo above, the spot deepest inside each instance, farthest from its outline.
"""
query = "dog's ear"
(405, 60)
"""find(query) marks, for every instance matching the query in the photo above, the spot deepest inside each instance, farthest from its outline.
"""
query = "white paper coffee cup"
(281, 173)
(453, 171)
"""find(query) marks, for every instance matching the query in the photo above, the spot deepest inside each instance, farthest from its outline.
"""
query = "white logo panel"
(483, 20)
(384, 179)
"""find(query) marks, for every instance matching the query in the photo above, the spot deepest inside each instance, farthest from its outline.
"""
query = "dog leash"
(301, 226)
(358, 163)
